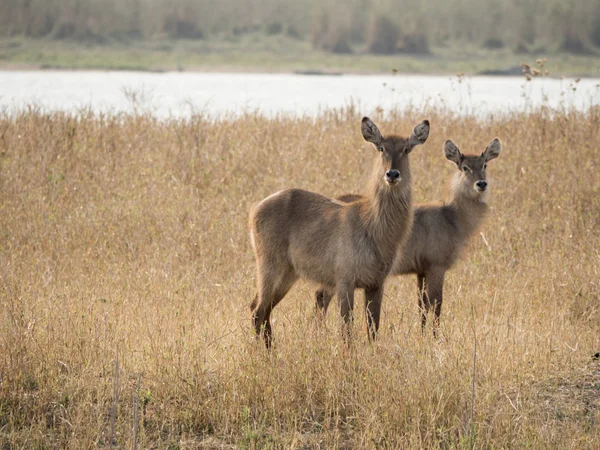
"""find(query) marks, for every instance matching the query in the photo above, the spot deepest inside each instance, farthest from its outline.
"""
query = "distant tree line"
(339, 26)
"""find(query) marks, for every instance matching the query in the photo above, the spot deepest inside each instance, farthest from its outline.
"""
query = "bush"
(493, 43)
(572, 43)
(177, 28)
(293, 32)
(521, 48)
(68, 29)
(64, 30)
(595, 33)
(338, 43)
(134, 33)
(416, 44)
(382, 36)
(274, 28)
(248, 29)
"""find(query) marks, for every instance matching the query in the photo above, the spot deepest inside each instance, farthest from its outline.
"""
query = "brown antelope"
(439, 232)
(343, 246)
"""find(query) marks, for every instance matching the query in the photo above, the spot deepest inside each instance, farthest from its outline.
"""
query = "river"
(179, 94)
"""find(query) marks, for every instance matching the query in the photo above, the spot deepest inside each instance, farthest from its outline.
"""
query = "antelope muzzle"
(392, 177)
(481, 185)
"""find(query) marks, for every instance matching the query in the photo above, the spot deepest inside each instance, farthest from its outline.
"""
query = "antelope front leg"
(421, 286)
(435, 289)
(323, 298)
(345, 293)
(373, 307)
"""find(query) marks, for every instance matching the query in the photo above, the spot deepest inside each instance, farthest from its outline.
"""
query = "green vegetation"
(266, 53)
(351, 35)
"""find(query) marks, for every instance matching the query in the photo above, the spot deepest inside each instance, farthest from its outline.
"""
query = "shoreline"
(216, 69)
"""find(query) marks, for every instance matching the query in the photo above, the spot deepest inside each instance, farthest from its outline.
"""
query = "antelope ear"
(370, 132)
(493, 150)
(418, 136)
(452, 152)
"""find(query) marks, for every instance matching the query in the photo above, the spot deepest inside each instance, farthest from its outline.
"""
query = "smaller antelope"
(440, 231)
(343, 246)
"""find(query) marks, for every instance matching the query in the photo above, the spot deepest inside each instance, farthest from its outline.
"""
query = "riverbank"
(271, 54)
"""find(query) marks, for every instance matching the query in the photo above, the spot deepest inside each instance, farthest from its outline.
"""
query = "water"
(179, 94)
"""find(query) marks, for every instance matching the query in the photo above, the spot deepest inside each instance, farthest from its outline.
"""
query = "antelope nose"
(392, 175)
(481, 185)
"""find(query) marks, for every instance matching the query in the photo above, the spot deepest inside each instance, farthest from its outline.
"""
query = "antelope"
(342, 246)
(439, 231)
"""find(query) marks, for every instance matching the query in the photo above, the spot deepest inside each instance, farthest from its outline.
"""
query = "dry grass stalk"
(115, 404)
(471, 429)
(136, 419)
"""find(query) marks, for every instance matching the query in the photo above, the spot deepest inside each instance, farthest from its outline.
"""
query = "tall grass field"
(126, 275)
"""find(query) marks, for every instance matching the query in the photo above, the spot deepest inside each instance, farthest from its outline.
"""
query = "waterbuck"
(439, 231)
(343, 246)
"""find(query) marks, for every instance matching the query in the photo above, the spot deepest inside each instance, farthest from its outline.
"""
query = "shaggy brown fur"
(439, 231)
(343, 246)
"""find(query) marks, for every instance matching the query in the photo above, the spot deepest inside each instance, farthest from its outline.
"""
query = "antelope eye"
(465, 169)
(484, 166)
(380, 148)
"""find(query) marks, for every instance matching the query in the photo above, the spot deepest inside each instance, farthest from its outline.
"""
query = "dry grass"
(128, 235)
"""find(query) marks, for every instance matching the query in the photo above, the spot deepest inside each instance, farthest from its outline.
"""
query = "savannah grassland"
(127, 235)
